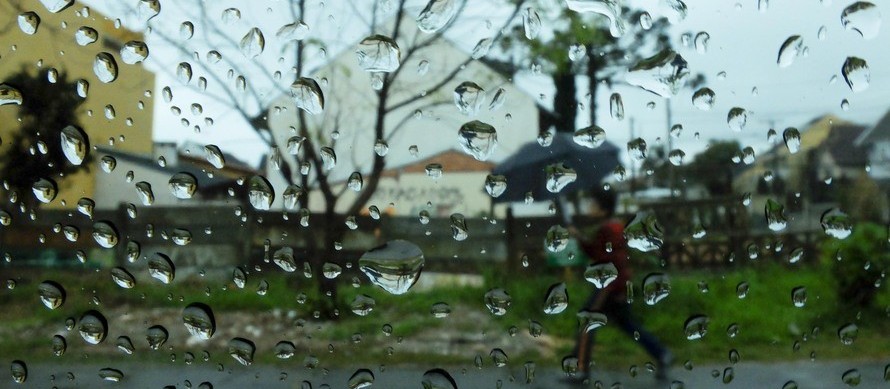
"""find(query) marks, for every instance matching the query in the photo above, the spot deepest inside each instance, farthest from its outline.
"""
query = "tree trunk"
(565, 104)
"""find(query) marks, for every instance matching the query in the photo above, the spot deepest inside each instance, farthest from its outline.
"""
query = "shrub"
(858, 264)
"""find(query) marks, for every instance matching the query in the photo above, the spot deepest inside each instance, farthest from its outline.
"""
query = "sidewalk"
(746, 375)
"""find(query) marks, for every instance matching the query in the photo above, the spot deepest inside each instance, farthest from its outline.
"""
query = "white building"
(418, 118)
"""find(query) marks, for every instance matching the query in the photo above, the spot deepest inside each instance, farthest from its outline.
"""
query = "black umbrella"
(525, 169)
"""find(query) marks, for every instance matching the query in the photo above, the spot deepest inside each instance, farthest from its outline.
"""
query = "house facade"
(129, 96)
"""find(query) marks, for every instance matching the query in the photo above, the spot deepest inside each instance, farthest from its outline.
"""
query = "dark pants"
(618, 313)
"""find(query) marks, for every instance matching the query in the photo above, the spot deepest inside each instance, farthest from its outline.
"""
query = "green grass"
(769, 324)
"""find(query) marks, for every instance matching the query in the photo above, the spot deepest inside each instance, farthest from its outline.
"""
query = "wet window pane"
(444, 193)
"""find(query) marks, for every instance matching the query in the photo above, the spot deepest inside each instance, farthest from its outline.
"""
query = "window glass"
(444, 193)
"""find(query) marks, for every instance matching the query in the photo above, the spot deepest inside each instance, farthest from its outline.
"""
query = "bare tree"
(247, 86)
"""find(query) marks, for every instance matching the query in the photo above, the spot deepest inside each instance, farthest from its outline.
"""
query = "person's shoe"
(664, 364)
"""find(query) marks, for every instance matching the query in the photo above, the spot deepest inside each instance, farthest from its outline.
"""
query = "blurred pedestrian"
(608, 245)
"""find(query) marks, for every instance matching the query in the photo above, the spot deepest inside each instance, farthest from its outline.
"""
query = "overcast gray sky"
(744, 43)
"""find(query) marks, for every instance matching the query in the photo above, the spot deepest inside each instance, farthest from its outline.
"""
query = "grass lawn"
(769, 326)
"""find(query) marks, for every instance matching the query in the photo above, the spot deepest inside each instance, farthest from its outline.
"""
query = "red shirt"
(611, 232)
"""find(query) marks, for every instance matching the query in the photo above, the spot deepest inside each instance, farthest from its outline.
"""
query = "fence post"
(512, 254)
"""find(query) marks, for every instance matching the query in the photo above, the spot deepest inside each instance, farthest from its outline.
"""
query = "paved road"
(747, 375)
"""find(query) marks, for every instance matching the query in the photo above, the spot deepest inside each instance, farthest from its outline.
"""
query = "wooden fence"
(224, 236)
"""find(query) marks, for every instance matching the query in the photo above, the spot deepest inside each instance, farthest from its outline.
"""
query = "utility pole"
(670, 145)
(633, 164)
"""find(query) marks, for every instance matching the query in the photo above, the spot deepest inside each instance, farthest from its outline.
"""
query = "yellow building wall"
(55, 47)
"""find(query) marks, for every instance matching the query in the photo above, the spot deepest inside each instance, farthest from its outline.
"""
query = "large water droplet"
(394, 266)
(19, 371)
(616, 106)
(601, 274)
(108, 163)
(495, 185)
(482, 48)
(184, 73)
(307, 95)
(183, 185)
(156, 336)
(253, 43)
(59, 345)
(86, 35)
(459, 229)
(556, 239)
(284, 258)
(123, 278)
(93, 327)
(590, 321)
(557, 299)
(656, 287)
(437, 379)
(468, 96)
(378, 53)
(674, 10)
(558, 176)
(497, 301)
(836, 224)
(355, 182)
(790, 49)
(644, 233)
(111, 375)
(328, 157)
(591, 137)
(531, 23)
(862, 17)
(52, 295)
(74, 144)
(663, 74)
(242, 350)
(29, 22)
(775, 215)
(852, 377)
(10, 95)
(147, 9)
(105, 67)
(285, 349)
(105, 234)
(134, 52)
(260, 193)
(792, 139)
(146, 195)
(214, 156)
(856, 74)
(611, 9)
(799, 296)
(701, 42)
(478, 139)
(293, 32)
(696, 327)
(44, 190)
(125, 345)
(737, 118)
(703, 99)
(199, 320)
(56, 6)
(362, 305)
(436, 15)
(161, 268)
(362, 378)
(848, 333)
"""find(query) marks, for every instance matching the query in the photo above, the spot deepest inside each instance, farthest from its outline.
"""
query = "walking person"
(608, 245)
